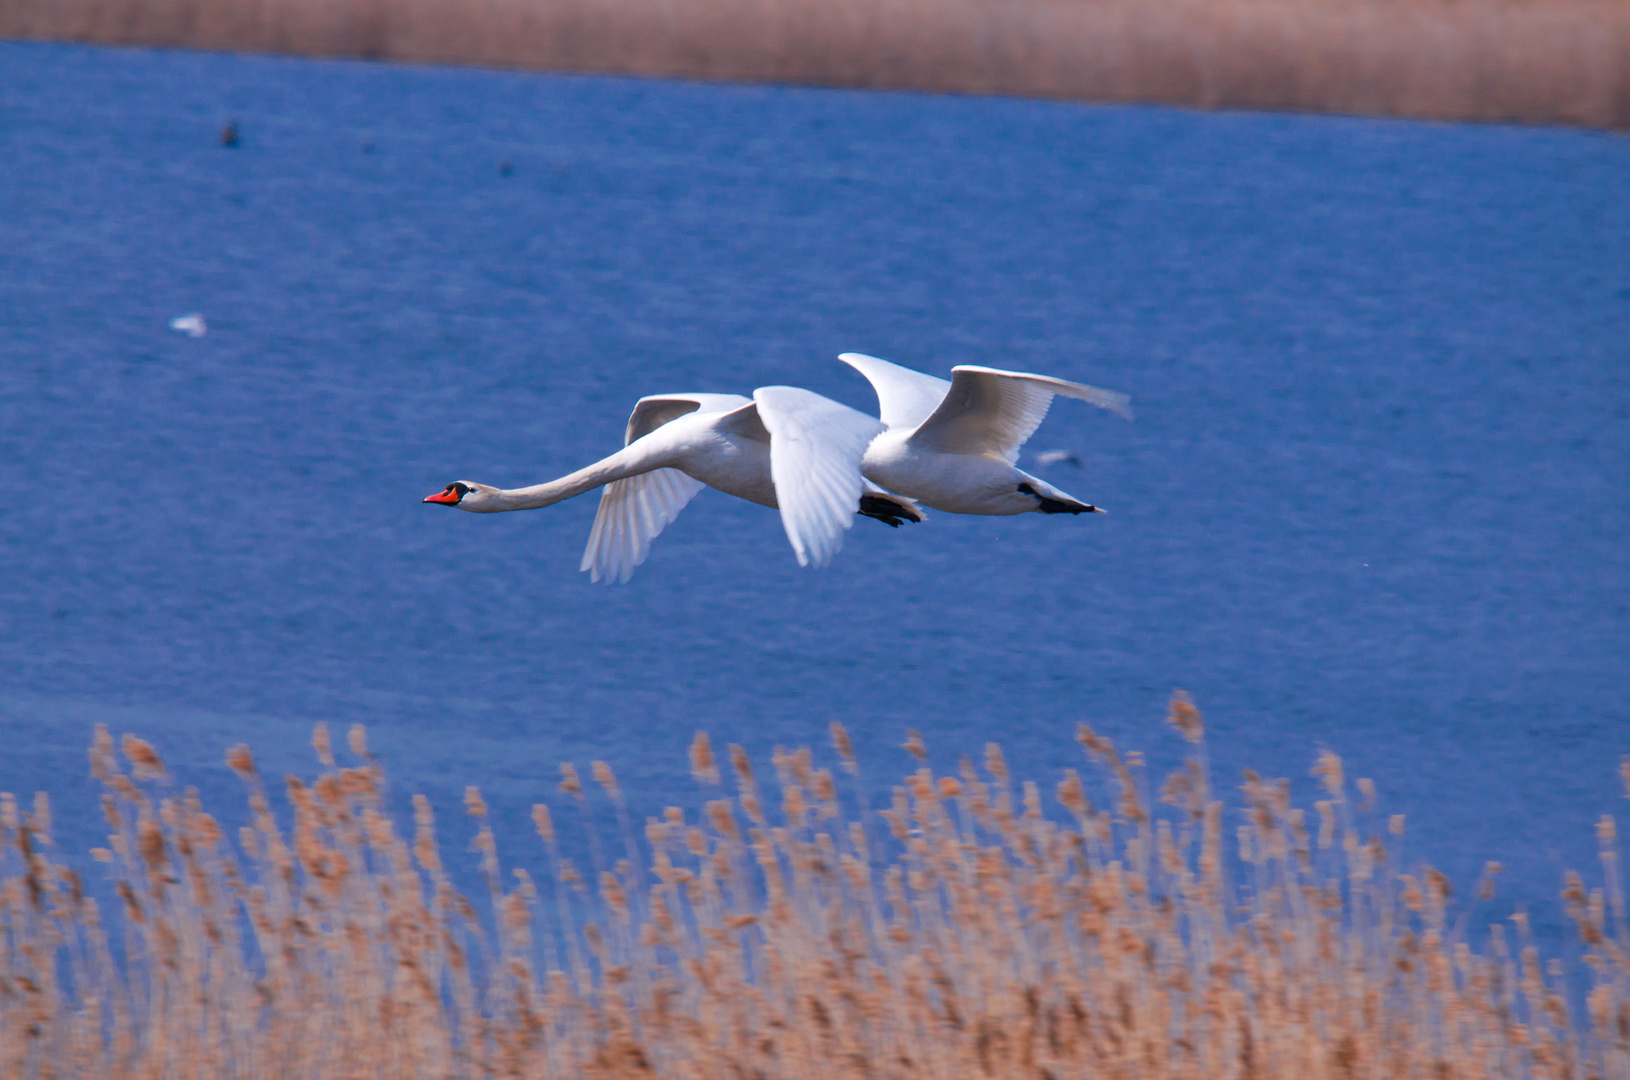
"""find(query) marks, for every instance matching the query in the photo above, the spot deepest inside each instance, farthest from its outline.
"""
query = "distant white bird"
(190, 324)
(784, 448)
(1059, 457)
(954, 446)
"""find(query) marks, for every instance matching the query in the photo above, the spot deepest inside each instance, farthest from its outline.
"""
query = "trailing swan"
(954, 446)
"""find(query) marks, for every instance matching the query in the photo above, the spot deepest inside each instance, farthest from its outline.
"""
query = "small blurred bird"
(192, 324)
(229, 133)
(1059, 457)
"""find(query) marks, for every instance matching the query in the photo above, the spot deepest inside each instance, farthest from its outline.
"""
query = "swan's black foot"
(1056, 506)
(887, 511)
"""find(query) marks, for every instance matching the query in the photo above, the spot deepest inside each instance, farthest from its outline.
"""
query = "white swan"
(954, 446)
(784, 448)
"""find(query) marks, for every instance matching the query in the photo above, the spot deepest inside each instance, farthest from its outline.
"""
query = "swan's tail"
(887, 507)
(1050, 500)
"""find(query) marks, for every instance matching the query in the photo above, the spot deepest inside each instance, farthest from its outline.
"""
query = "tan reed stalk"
(976, 935)
(1534, 61)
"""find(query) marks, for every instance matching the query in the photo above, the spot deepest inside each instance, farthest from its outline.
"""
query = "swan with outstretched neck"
(785, 448)
(954, 445)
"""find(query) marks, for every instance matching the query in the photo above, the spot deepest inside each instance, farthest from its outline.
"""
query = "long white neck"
(626, 462)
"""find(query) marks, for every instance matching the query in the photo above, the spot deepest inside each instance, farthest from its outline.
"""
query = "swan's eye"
(462, 489)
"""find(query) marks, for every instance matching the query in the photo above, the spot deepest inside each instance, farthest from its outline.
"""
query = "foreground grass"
(961, 933)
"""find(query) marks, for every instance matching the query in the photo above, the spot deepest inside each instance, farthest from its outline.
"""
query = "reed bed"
(966, 931)
(1533, 61)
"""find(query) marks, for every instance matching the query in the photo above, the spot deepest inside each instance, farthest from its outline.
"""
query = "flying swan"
(954, 446)
(785, 448)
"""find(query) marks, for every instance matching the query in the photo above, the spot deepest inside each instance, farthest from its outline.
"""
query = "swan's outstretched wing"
(815, 449)
(633, 512)
(905, 398)
(652, 412)
(988, 411)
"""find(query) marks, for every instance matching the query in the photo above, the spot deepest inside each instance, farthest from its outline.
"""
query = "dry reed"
(963, 932)
(1534, 61)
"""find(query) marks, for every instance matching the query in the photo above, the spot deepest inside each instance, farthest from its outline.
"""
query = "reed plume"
(979, 934)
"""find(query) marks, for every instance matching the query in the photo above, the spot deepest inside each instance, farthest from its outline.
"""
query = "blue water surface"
(1375, 498)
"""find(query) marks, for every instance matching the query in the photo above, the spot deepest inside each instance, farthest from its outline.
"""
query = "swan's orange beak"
(448, 497)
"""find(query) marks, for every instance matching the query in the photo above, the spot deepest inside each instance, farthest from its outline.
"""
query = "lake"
(1375, 498)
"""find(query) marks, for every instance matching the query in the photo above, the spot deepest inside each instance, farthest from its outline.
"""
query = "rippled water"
(1375, 498)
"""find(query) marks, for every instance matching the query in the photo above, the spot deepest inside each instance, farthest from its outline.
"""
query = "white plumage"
(785, 448)
(954, 446)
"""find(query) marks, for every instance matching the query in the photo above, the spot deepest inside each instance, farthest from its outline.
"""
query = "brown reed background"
(966, 933)
(1532, 61)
